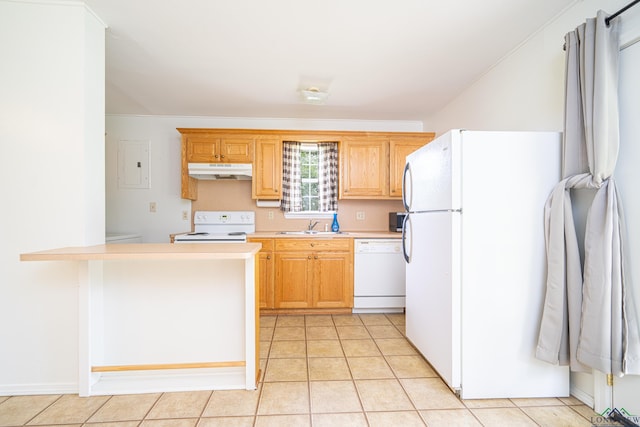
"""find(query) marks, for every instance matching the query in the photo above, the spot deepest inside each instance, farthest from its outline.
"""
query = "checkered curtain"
(328, 176)
(291, 179)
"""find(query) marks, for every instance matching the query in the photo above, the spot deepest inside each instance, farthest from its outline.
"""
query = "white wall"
(128, 209)
(525, 91)
(52, 179)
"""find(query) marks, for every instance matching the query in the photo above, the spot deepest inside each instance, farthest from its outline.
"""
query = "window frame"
(306, 146)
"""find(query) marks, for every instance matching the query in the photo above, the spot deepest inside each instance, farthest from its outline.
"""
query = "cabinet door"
(236, 149)
(265, 272)
(293, 280)
(203, 149)
(266, 279)
(364, 169)
(398, 151)
(267, 169)
(333, 280)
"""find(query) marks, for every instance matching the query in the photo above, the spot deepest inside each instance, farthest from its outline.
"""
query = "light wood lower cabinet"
(294, 276)
(313, 273)
(265, 272)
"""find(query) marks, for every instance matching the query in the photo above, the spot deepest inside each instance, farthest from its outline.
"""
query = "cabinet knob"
(308, 256)
(222, 157)
(217, 156)
(276, 190)
(313, 244)
(315, 257)
(268, 256)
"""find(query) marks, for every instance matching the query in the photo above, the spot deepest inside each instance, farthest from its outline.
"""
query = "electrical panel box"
(133, 164)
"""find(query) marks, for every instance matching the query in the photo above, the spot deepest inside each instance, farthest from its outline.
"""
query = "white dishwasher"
(379, 276)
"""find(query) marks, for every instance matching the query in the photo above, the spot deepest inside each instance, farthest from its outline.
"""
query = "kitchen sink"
(311, 233)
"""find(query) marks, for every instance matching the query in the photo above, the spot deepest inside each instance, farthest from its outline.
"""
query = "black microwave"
(395, 220)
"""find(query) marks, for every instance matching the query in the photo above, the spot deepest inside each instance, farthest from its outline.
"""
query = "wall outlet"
(360, 215)
(152, 207)
(185, 215)
(270, 215)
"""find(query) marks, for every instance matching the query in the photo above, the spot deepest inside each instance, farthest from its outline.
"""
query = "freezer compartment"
(431, 179)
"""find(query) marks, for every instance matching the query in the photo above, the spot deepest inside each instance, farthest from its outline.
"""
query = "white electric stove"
(220, 227)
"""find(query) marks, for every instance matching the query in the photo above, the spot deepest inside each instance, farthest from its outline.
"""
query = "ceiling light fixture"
(313, 95)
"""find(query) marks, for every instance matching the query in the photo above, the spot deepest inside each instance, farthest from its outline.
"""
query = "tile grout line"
(522, 406)
(413, 404)
(306, 352)
(204, 408)
(43, 409)
(353, 380)
(98, 409)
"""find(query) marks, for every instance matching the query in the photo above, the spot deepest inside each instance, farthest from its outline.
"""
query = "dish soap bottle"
(335, 227)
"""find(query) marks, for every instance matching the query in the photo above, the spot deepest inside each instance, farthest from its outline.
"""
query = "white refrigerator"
(473, 242)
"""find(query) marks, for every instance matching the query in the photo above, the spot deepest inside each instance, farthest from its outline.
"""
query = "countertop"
(147, 251)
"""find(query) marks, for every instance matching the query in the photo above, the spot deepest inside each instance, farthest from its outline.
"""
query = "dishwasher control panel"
(377, 246)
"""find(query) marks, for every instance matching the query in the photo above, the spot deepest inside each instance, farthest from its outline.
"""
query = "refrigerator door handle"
(406, 224)
(407, 191)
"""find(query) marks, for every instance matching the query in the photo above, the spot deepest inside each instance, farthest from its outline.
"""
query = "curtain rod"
(621, 11)
(615, 15)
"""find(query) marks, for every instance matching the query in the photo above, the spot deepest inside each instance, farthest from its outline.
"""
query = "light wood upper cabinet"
(237, 149)
(399, 149)
(202, 149)
(211, 146)
(363, 167)
(371, 163)
(371, 167)
(267, 169)
(211, 149)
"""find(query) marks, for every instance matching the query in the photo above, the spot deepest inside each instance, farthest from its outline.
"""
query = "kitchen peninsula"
(164, 317)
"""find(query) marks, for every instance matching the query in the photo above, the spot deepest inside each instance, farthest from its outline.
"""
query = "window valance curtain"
(589, 320)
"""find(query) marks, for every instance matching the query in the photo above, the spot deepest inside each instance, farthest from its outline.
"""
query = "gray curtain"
(589, 320)
(291, 191)
(328, 176)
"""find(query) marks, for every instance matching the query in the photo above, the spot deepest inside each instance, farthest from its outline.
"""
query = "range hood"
(229, 171)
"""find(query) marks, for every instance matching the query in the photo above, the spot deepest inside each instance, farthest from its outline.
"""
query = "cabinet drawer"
(315, 244)
(267, 244)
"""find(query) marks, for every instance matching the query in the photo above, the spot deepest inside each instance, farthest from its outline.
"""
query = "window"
(309, 181)
(309, 177)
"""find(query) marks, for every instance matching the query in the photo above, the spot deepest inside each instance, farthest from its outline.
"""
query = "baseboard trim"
(272, 311)
(33, 389)
(582, 396)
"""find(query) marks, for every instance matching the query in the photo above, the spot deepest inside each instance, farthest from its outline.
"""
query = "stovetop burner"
(220, 226)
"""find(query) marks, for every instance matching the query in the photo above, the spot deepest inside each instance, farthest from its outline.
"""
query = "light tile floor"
(318, 370)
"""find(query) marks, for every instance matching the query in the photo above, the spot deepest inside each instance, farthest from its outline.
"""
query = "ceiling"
(377, 59)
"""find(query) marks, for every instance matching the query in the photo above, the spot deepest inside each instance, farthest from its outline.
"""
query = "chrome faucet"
(312, 224)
